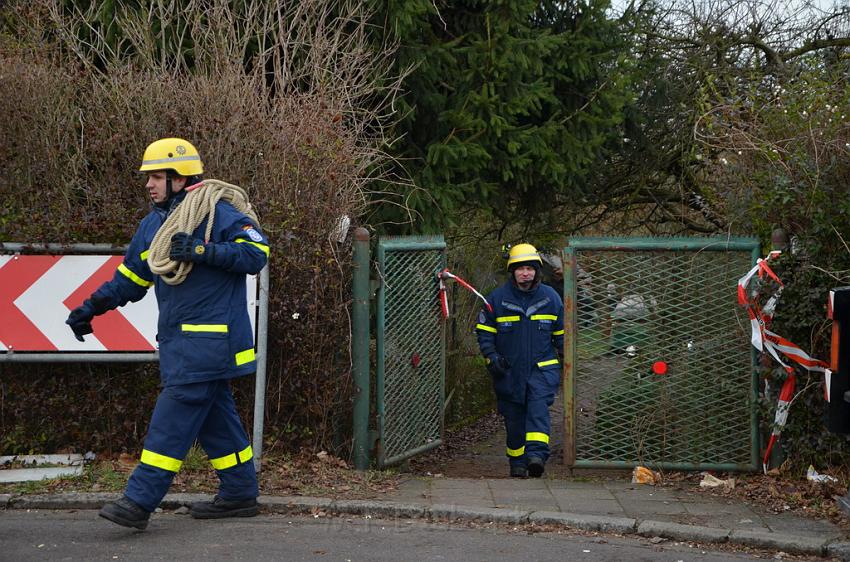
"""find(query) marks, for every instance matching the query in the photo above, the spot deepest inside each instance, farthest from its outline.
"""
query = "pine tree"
(511, 104)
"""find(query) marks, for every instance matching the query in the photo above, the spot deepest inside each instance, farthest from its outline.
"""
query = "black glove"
(498, 366)
(186, 248)
(80, 319)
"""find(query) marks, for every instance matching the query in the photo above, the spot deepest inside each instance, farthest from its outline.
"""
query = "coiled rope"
(190, 213)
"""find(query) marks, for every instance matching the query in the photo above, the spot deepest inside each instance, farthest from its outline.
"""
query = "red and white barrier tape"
(778, 347)
(444, 299)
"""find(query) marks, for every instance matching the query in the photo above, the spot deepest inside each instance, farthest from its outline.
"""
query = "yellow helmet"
(172, 154)
(523, 253)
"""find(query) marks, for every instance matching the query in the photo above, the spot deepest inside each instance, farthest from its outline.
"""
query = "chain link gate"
(410, 346)
(632, 303)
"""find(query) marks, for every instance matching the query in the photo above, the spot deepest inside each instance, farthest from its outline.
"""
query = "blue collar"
(171, 203)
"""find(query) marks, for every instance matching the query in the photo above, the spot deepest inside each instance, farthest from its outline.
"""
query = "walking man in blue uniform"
(205, 339)
(522, 341)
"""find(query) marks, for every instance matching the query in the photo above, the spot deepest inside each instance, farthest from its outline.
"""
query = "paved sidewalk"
(607, 506)
(624, 507)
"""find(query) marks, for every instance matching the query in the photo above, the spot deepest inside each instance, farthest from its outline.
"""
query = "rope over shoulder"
(190, 213)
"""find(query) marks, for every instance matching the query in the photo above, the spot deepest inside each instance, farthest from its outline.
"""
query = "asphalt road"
(81, 535)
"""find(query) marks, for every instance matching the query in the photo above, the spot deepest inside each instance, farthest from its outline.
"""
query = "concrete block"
(36, 474)
(460, 484)
(840, 550)
(681, 532)
(609, 507)
(175, 501)
(780, 541)
(295, 504)
(636, 507)
(601, 523)
(378, 508)
(478, 498)
(71, 500)
(466, 513)
(516, 485)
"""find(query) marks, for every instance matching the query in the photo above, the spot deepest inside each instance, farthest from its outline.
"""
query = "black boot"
(219, 508)
(535, 467)
(518, 471)
(126, 512)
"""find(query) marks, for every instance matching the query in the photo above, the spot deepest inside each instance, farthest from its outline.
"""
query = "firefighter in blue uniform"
(522, 341)
(205, 339)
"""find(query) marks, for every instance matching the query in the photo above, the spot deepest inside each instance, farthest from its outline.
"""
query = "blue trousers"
(204, 411)
(527, 424)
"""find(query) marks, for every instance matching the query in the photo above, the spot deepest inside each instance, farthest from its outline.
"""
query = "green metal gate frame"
(571, 305)
(410, 347)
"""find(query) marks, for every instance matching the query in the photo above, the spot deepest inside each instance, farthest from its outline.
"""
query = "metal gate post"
(360, 348)
(569, 367)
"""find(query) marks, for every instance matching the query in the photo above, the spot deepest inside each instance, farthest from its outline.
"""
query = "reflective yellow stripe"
(548, 362)
(232, 459)
(144, 255)
(543, 317)
(219, 328)
(485, 328)
(133, 277)
(535, 436)
(507, 319)
(161, 461)
(245, 357)
(516, 452)
(558, 333)
(263, 247)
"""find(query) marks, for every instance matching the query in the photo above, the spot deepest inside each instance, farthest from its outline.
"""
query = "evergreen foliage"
(510, 104)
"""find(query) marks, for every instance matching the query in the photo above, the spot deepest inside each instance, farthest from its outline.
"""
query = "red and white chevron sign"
(38, 292)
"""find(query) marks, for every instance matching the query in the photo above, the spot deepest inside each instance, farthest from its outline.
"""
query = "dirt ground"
(478, 451)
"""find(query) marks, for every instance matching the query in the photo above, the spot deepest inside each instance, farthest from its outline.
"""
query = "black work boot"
(535, 467)
(126, 512)
(219, 508)
(518, 471)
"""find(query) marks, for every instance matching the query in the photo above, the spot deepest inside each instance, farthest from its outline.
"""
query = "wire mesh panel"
(659, 366)
(410, 347)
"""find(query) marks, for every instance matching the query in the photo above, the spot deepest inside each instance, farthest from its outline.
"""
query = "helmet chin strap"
(168, 189)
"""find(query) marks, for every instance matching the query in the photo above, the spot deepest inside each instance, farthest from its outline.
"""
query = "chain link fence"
(410, 347)
(659, 368)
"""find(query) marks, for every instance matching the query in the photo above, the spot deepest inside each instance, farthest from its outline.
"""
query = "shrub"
(291, 112)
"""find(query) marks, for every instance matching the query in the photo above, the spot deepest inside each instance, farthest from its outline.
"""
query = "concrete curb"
(378, 509)
(679, 532)
(441, 512)
(775, 541)
(72, 500)
(599, 523)
(840, 550)
(451, 512)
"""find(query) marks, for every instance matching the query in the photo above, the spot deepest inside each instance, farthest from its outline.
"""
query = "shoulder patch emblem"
(481, 318)
(255, 236)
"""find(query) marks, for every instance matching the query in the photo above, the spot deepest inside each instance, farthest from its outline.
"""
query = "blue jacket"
(204, 331)
(527, 328)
